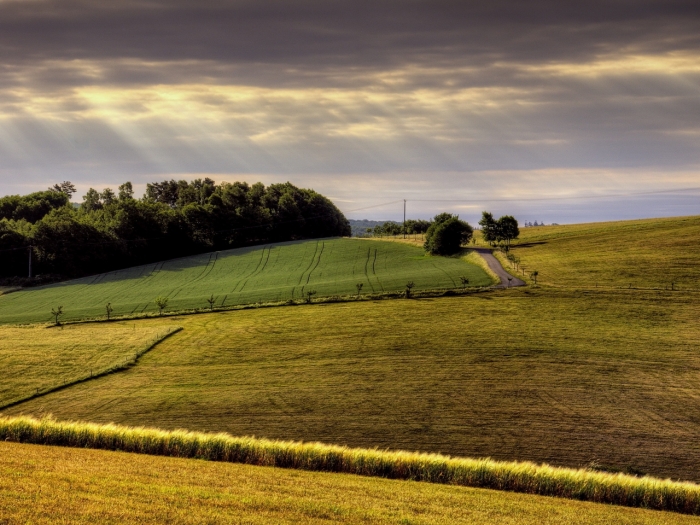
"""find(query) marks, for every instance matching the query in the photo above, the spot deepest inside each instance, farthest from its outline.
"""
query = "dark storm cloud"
(313, 42)
(381, 98)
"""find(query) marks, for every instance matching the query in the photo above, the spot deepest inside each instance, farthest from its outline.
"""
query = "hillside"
(93, 486)
(563, 377)
(275, 272)
(34, 359)
(650, 253)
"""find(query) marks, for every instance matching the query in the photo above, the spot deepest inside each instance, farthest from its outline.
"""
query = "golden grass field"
(49, 485)
(649, 253)
(559, 376)
(583, 369)
(37, 358)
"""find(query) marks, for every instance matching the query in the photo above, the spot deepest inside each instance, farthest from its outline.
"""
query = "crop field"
(650, 253)
(39, 484)
(276, 272)
(36, 359)
(565, 377)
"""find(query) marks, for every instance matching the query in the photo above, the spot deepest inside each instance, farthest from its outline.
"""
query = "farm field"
(276, 272)
(559, 376)
(39, 483)
(649, 253)
(37, 359)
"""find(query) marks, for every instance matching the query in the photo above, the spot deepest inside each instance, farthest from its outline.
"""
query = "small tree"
(57, 313)
(509, 280)
(309, 295)
(211, 302)
(161, 303)
(109, 310)
(534, 275)
(359, 288)
(409, 287)
(464, 281)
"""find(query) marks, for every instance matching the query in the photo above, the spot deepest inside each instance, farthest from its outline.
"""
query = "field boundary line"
(511, 476)
(118, 367)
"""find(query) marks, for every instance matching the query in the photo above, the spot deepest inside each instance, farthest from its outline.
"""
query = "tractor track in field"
(204, 273)
(258, 269)
(369, 255)
(318, 261)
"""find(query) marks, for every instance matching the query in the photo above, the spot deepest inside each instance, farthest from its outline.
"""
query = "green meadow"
(272, 273)
(594, 368)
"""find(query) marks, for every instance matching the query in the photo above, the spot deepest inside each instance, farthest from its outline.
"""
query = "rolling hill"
(566, 373)
(275, 272)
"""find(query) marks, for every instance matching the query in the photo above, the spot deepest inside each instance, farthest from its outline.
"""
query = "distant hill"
(359, 227)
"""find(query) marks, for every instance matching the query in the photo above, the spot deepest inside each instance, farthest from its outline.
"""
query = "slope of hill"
(275, 272)
(650, 253)
(34, 360)
(558, 376)
(94, 486)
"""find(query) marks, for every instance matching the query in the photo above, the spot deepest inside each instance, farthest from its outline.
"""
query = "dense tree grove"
(447, 234)
(504, 229)
(174, 218)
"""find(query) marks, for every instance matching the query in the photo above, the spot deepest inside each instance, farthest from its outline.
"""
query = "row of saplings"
(162, 302)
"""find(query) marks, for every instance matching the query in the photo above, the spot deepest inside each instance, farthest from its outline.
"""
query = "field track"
(270, 273)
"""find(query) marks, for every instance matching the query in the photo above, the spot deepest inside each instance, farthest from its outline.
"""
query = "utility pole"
(404, 218)
(31, 249)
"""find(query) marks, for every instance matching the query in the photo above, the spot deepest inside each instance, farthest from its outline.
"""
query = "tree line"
(112, 230)
(445, 233)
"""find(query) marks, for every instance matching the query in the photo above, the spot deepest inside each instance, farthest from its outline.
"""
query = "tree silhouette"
(211, 302)
(409, 287)
(309, 295)
(57, 312)
(359, 288)
(109, 310)
(534, 275)
(464, 281)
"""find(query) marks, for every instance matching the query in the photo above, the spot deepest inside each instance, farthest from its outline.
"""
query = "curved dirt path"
(496, 267)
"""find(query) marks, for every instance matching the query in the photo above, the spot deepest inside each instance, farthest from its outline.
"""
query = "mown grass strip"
(530, 478)
(121, 365)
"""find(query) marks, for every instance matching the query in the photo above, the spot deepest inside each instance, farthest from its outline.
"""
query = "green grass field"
(549, 375)
(271, 273)
(38, 359)
(650, 253)
(567, 373)
(41, 484)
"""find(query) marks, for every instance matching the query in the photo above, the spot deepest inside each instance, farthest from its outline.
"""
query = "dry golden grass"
(649, 253)
(42, 485)
(555, 376)
(36, 358)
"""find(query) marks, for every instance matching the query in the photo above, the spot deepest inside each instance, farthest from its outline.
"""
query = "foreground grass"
(556, 376)
(62, 485)
(276, 272)
(649, 253)
(518, 477)
(35, 359)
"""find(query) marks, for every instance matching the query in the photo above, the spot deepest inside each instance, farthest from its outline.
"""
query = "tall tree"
(446, 236)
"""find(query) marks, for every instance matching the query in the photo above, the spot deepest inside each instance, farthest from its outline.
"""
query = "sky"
(547, 110)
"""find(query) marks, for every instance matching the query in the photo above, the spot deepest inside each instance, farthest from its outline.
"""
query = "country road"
(496, 267)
